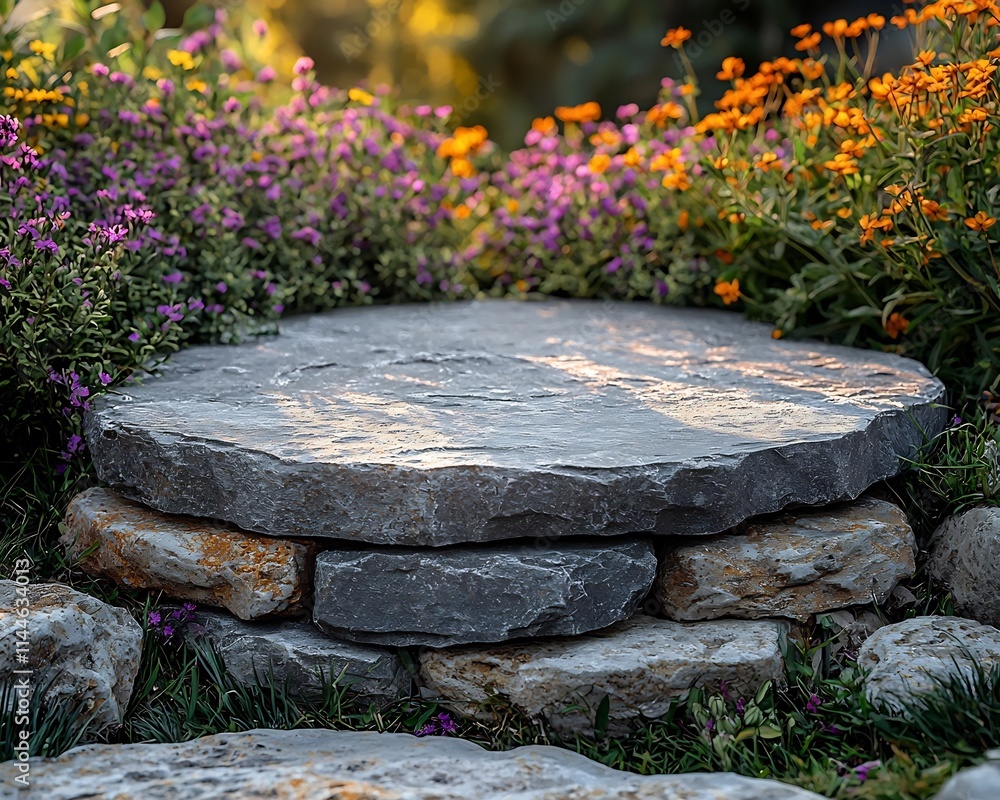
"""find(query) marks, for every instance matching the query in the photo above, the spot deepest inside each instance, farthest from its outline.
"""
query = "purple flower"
(861, 771)
(155, 618)
(956, 421)
(5, 283)
(134, 336)
(813, 704)
(221, 287)
(168, 631)
(104, 378)
(446, 724)
(8, 130)
(173, 277)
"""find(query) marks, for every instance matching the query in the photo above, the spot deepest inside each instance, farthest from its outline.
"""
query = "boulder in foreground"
(88, 649)
(337, 765)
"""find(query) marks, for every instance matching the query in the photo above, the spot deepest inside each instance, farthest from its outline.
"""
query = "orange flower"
(842, 164)
(585, 112)
(809, 42)
(981, 222)
(729, 291)
(933, 211)
(871, 223)
(545, 126)
(676, 37)
(802, 31)
(683, 220)
(599, 163)
(732, 68)
(896, 324)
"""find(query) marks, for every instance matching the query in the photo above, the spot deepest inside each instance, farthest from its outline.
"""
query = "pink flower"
(266, 75)
(232, 105)
(260, 27)
(303, 65)
(99, 70)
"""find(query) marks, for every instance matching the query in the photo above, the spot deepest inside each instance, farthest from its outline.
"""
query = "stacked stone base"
(550, 628)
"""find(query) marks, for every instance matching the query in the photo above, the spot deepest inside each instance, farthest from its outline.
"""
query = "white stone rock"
(965, 559)
(904, 659)
(340, 765)
(640, 665)
(797, 566)
(90, 649)
(976, 783)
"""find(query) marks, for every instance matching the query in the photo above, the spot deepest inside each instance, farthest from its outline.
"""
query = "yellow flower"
(360, 96)
(181, 58)
(981, 222)
(513, 206)
(462, 167)
(43, 49)
(151, 73)
(633, 158)
(729, 291)
(676, 37)
(11, 73)
(195, 85)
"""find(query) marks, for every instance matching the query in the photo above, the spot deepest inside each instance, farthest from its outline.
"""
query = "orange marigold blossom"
(933, 210)
(896, 324)
(676, 37)
(545, 126)
(801, 31)
(729, 291)
(810, 42)
(980, 222)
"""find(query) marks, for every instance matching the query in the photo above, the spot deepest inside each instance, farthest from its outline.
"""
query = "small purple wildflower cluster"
(170, 625)
(440, 725)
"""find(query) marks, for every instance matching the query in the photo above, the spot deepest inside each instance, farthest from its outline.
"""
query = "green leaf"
(602, 717)
(74, 46)
(155, 17)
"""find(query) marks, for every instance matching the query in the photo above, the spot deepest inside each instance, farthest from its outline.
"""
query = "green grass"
(813, 731)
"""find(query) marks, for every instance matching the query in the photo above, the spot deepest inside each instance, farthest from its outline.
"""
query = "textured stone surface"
(794, 567)
(641, 665)
(88, 649)
(904, 658)
(341, 765)
(189, 559)
(965, 559)
(493, 420)
(480, 594)
(977, 783)
(301, 657)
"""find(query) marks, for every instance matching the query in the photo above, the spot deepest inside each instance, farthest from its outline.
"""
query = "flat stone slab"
(188, 559)
(640, 666)
(460, 595)
(296, 655)
(342, 765)
(87, 651)
(466, 422)
(797, 566)
(908, 659)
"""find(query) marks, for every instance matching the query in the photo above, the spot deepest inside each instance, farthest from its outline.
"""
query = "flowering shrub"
(172, 189)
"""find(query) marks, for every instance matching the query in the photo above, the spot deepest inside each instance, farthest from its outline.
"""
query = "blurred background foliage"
(501, 63)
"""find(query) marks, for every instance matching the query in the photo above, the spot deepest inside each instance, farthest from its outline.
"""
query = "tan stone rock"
(253, 576)
(641, 665)
(794, 567)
